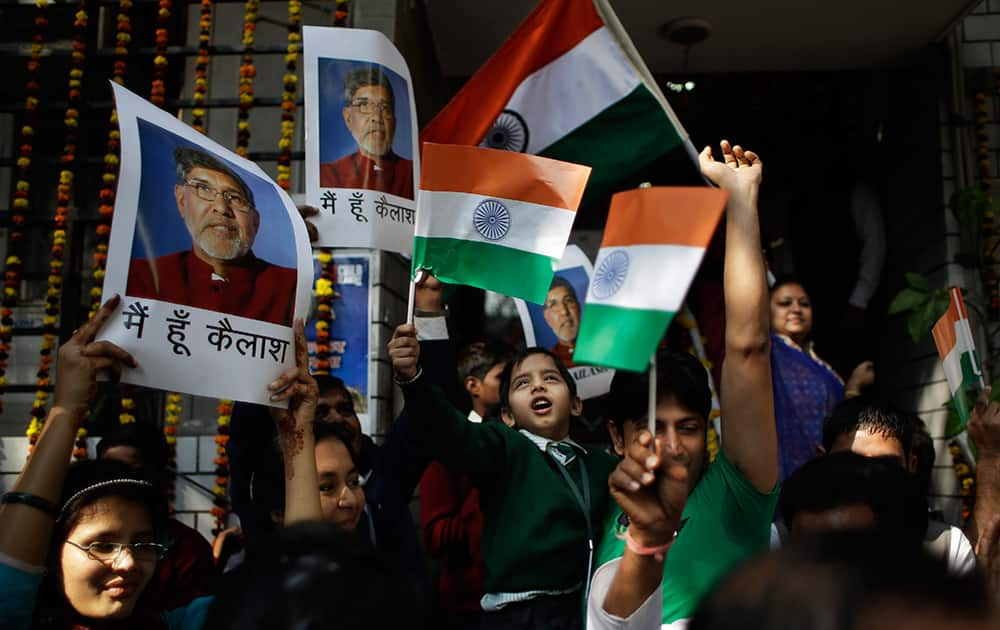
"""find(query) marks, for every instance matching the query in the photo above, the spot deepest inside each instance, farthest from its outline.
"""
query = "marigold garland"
(201, 67)
(158, 93)
(966, 478)
(290, 85)
(324, 311)
(172, 418)
(21, 201)
(988, 272)
(220, 508)
(247, 74)
(64, 197)
(109, 178)
(340, 12)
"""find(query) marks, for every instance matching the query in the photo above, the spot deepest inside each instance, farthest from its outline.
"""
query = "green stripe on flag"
(619, 141)
(505, 270)
(618, 337)
(963, 404)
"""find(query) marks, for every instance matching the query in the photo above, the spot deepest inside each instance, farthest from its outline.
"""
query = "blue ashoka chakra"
(509, 133)
(610, 274)
(492, 220)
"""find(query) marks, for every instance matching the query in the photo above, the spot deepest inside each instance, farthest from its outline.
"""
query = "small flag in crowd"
(570, 85)
(953, 338)
(494, 219)
(653, 244)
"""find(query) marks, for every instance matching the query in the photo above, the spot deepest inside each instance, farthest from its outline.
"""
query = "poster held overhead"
(210, 257)
(361, 154)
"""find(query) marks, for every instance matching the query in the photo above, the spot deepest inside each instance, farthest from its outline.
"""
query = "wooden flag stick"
(652, 400)
(414, 281)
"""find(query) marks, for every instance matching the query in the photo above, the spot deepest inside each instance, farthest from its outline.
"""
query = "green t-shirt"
(725, 521)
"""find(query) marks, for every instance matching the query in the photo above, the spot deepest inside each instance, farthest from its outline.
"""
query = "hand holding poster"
(361, 140)
(210, 257)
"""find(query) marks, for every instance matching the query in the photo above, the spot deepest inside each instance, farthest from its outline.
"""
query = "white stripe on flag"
(573, 88)
(953, 368)
(533, 228)
(657, 277)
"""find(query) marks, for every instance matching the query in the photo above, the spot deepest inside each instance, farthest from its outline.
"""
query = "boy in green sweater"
(543, 496)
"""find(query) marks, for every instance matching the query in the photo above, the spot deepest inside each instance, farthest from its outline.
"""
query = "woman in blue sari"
(805, 387)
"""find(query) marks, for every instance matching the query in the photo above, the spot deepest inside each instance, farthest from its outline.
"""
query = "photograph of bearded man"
(219, 272)
(370, 115)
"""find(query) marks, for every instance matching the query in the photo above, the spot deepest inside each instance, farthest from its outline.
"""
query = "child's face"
(539, 399)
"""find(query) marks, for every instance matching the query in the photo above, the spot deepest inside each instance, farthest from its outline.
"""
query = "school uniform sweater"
(535, 534)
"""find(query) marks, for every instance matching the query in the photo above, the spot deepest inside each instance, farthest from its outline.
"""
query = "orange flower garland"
(201, 67)
(247, 74)
(158, 93)
(106, 201)
(21, 203)
(324, 311)
(966, 479)
(989, 272)
(64, 196)
(172, 418)
(340, 12)
(290, 84)
(220, 509)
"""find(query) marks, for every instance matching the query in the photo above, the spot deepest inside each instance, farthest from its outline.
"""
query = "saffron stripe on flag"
(620, 338)
(676, 215)
(530, 227)
(495, 173)
(487, 266)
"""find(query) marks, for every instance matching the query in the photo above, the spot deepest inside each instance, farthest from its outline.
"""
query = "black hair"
(145, 437)
(327, 383)
(86, 483)
(845, 479)
(519, 358)
(336, 431)
(784, 279)
(845, 580)
(367, 75)
(478, 358)
(188, 158)
(678, 374)
(922, 446)
(309, 576)
(559, 281)
(864, 413)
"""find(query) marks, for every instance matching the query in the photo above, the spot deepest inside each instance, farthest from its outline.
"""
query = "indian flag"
(953, 338)
(570, 85)
(653, 244)
(494, 219)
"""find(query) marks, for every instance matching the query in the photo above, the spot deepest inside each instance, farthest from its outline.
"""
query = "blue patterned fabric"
(805, 391)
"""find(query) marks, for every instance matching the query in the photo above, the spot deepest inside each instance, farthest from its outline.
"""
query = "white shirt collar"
(543, 443)
(475, 417)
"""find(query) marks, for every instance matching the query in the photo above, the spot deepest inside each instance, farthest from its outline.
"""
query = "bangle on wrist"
(656, 552)
(31, 500)
(410, 381)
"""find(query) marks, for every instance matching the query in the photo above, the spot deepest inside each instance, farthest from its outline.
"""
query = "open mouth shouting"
(541, 405)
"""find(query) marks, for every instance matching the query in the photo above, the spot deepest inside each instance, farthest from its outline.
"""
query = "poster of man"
(210, 257)
(556, 323)
(362, 161)
(217, 270)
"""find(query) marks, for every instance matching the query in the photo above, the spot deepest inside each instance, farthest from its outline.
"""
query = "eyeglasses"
(205, 192)
(367, 108)
(108, 552)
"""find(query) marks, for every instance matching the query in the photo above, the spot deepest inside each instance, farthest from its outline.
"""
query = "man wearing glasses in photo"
(369, 114)
(220, 272)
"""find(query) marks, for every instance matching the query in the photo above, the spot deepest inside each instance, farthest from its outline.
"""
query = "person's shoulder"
(190, 617)
(339, 162)
(600, 459)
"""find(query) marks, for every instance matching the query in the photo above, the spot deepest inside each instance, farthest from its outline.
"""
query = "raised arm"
(25, 529)
(749, 438)
(441, 431)
(295, 433)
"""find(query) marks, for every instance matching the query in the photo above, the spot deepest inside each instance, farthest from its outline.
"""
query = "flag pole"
(417, 277)
(652, 401)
